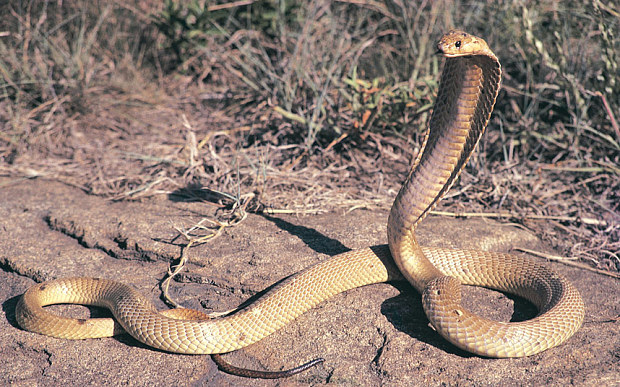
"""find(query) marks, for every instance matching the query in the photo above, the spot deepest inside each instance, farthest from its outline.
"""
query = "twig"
(271, 211)
(227, 132)
(610, 113)
(569, 262)
(335, 142)
(139, 156)
(234, 4)
(509, 215)
(290, 115)
(237, 215)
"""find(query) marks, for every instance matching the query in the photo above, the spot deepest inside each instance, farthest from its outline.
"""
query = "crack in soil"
(123, 251)
(9, 266)
(379, 353)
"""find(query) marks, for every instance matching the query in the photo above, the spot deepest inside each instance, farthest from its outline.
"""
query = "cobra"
(469, 86)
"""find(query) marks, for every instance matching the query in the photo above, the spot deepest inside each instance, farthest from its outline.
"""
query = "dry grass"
(247, 98)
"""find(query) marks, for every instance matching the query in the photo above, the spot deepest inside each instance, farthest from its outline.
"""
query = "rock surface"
(376, 335)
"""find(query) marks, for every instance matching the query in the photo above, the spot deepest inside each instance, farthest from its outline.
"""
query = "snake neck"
(467, 92)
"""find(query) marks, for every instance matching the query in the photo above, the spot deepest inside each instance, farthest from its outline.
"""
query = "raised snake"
(469, 85)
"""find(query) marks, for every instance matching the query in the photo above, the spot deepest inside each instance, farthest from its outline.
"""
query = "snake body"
(469, 86)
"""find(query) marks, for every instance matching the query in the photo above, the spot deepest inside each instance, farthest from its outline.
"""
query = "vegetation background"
(315, 106)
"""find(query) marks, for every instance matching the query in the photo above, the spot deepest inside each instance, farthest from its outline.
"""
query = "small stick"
(569, 262)
(610, 113)
(590, 221)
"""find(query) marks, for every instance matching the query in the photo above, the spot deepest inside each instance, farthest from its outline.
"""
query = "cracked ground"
(376, 335)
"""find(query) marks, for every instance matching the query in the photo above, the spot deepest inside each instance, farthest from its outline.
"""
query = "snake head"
(458, 43)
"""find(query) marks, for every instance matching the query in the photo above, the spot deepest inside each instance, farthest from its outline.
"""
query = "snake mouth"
(440, 52)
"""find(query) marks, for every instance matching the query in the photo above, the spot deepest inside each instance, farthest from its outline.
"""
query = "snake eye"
(458, 44)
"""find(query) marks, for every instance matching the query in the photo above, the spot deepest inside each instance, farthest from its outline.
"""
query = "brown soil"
(376, 335)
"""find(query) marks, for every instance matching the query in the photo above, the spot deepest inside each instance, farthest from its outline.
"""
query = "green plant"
(191, 27)
(381, 104)
(186, 26)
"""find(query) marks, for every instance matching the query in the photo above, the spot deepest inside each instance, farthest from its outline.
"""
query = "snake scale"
(469, 85)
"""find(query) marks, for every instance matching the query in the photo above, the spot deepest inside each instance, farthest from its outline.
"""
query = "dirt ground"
(376, 335)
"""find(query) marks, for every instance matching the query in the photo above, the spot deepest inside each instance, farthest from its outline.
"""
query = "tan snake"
(469, 86)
